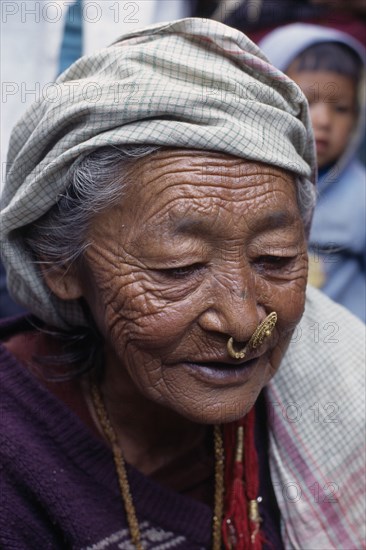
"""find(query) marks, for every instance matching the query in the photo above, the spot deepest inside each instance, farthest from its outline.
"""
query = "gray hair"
(97, 182)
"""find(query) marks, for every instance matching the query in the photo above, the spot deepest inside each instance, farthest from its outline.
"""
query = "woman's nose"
(234, 311)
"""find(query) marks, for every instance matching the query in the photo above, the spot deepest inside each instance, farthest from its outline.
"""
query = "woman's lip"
(222, 373)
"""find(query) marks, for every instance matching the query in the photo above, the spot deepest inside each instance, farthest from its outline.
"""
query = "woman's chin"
(217, 409)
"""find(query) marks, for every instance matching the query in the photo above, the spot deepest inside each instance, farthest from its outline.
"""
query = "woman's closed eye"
(181, 272)
(272, 262)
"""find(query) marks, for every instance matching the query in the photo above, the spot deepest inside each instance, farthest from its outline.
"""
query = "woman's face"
(202, 247)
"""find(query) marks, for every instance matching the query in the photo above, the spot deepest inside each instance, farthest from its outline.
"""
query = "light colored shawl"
(191, 83)
(316, 407)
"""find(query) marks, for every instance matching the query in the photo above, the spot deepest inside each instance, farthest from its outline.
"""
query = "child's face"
(332, 98)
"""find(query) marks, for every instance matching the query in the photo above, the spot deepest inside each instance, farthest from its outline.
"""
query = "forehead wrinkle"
(207, 159)
(176, 193)
(178, 209)
(205, 167)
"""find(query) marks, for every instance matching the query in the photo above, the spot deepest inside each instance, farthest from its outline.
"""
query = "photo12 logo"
(53, 12)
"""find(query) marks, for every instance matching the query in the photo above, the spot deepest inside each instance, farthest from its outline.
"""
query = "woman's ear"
(64, 281)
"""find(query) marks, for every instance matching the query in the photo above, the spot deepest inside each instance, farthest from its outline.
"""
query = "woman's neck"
(149, 434)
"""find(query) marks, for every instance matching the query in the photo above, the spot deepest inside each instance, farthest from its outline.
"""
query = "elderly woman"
(154, 223)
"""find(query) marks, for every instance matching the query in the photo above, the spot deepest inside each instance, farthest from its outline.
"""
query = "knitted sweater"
(59, 487)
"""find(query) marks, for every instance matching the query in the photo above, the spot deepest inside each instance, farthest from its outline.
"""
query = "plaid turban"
(192, 83)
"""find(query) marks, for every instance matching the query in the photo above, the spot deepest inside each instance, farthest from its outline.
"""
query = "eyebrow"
(191, 226)
(274, 220)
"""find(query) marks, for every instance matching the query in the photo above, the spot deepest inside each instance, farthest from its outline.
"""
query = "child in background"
(329, 67)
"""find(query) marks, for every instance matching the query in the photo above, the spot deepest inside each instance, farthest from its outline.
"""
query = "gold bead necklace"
(124, 485)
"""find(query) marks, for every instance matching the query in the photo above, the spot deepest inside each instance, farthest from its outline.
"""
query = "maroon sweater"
(58, 483)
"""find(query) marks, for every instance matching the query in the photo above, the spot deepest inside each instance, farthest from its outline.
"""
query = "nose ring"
(263, 330)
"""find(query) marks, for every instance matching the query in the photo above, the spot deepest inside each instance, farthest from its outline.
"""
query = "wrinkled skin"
(202, 247)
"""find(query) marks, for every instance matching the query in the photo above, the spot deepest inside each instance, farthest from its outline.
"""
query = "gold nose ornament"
(263, 330)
